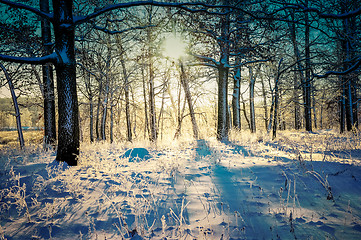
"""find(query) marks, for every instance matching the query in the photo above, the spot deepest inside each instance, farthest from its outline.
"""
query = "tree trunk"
(152, 110)
(97, 119)
(264, 93)
(188, 96)
(350, 80)
(126, 89)
(252, 81)
(314, 105)
(223, 69)
(68, 111)
(107, 94)
(152, 113)
(296, 102)
(111, 123)
(342, 104)
(127, 100)
(236, 108)
(146, 122)
(276, 107)
(244, 111)
(48, 81)
(16, 107)
(105, 113)
(91, 119)
(297, 72)
(307, 83)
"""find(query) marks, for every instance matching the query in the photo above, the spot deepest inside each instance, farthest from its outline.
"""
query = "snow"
(304, 186)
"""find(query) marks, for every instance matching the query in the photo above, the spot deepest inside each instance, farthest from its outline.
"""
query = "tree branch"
(319, 13)
(207, 60)
(105, 30)
(29, 60)
(337, 73)
(203, 7)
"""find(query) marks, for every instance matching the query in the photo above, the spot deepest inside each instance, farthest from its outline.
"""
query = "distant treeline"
(31, 114)
(7, 129)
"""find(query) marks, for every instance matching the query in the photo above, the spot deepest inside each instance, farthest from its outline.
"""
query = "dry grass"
(10, 138)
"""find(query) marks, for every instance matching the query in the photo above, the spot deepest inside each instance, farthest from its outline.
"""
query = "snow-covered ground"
(300, 186)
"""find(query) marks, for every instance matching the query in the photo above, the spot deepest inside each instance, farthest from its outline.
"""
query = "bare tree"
(16, 107)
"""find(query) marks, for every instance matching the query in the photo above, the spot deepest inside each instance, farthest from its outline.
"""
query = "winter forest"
(216, 119)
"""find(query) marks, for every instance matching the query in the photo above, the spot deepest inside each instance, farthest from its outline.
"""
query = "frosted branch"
(30, 60)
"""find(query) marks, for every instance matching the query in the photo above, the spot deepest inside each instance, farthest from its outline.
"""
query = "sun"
(174, 47)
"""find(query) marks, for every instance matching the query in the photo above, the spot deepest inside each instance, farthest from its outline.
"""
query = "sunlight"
(174, 47)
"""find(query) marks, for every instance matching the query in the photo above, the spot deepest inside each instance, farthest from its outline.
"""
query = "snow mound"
(136, 154)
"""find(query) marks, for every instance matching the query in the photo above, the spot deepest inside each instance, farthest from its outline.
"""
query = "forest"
(180, 95)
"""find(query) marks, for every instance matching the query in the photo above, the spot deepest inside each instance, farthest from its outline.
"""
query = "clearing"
(300, 186)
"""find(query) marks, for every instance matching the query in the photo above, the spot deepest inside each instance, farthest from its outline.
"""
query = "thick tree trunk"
(48, 81)
(223, 69)
(68, 124)
(222, 122)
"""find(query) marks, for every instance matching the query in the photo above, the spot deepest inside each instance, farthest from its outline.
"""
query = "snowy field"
(300, 186)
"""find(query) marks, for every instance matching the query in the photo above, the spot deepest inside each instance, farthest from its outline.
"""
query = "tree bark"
(349, 81)
(297, 72)
(91, 119)
(252, 81)
(189, 101)
(111, 123)
(223, 69)
(307, 82)
(105, 113)
(146, 121)
(100, 90)
(236, 108)
(126, 95)
(152, 111)
(48, 81)
(68, 111)
(276, 106)
(264, 93)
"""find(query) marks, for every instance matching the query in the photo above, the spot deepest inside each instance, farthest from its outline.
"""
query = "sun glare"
(174, 47)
